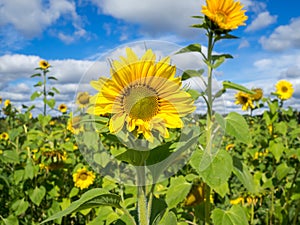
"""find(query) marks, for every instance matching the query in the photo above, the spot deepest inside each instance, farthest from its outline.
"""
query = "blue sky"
(72, 34)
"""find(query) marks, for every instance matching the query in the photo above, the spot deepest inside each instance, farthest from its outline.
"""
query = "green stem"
(142, 202)
(252, 212)
(209, 119)
(45, 93)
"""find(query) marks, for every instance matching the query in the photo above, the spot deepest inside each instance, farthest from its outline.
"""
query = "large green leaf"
(92, 198)
(235, 125)
(277, 148)
(234, 216)
(168, 219)
(177, 191)
(11, 220)
(37, 195)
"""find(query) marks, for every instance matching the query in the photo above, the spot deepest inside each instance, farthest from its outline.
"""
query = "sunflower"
(73, 124)
(143, 95)
(6, 103)
(62, 108)
(237, 201)
(284, 89)
(83, 178)
(245, 100)
(258, 94)
(44, 64)
(83, 99)
(4, 136)
(227, 14)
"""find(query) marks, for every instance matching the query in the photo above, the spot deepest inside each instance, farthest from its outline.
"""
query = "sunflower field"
(137, 152)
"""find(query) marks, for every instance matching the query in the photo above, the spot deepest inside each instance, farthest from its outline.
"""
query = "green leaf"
(218, 62)
(214, 170)
(38, 84)
(29, 170)
(35, 95)
(52, 78)
(244, 176)
(191, 73)
(10, 156)
(168, 219)
(55, 90)
(190, 48)
(238, 87)
(276, 149)
(177, 191)
(283, 170)
(20, 206)
(100, 196)
(43, 120)
(194, 94)
(235, 216)
(50, 103)
(36, 75)
(236, 125)
(37, 195)
(11, 220)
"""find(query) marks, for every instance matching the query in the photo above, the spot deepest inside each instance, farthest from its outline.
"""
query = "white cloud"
(30, 18)
(244, 44)
(155, 16)
(263, 20)
(284, 37)
(263, 64)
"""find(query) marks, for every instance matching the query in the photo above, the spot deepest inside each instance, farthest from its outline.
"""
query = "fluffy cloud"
(263, 20)
(154, 15)
(29, 19)
(284, 37)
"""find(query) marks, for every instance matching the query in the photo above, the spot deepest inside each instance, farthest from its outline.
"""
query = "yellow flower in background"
(229, 147)
(195, 196)
(258, 94)
(44, 64)
(143, 95)
(227, 14)
(4, 136)
(284, 89)
(73, 124)
(83, 178)
(1, 152)
(237, 201)
(6, 103)
(245, 100)
(62, 108)
(83, 99)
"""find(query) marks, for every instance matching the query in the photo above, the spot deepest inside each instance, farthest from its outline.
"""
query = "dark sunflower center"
(244, 99)
(140, 102)
(83, 176)
(284, 89)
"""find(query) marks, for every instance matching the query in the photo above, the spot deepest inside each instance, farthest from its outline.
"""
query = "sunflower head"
(44, 64)
(83, 178)
(62, 108)
(245, 100)
(4, 136)
(226, 14)
(143, 96)
(284, 89)
(6, 103)
(258, 94)
(83, 99)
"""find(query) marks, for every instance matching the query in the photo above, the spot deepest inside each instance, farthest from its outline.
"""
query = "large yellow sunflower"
(227, 14)
(284, 89)
(143, 95)
(245, 100)
(83, 178)
(44, 64)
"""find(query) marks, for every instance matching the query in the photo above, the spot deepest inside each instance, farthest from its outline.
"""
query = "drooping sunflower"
(62, 108)
(83, 178)
(44, 64)
(284, 89)
(143, 95)
(4, 136)
(258, 94)
(83, 99)
(227, 14)
(245, 100)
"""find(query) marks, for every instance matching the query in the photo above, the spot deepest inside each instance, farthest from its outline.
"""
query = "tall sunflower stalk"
(220, 18)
